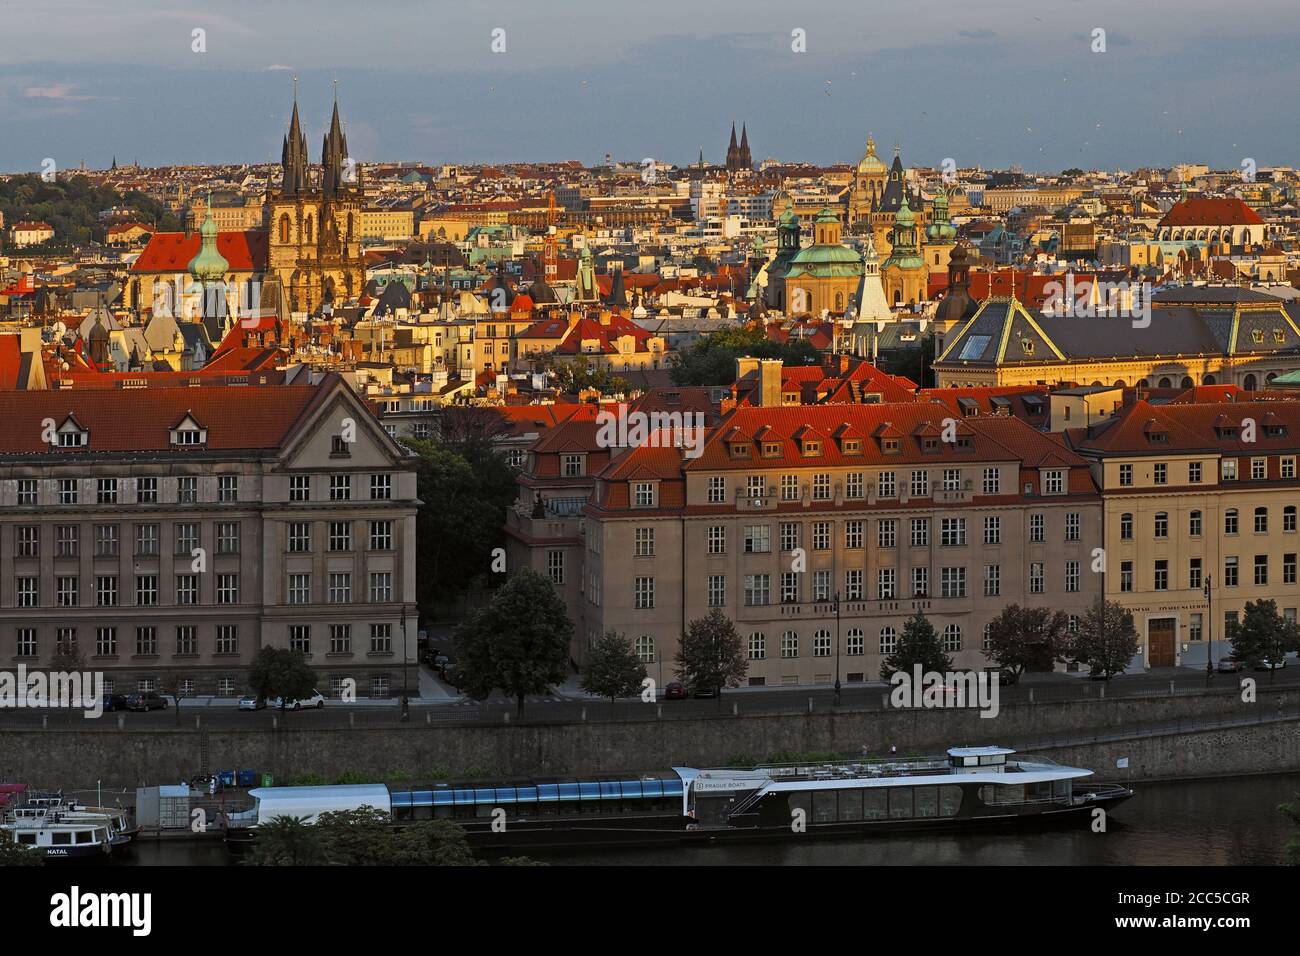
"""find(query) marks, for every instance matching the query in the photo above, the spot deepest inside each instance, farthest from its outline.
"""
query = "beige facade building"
(171, 535)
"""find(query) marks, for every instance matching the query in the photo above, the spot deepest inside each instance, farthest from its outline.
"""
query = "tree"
(433, 843)
(613, 668)
(575, 376)
(287, 841)
(1291, 811)
(281, 672)
(13, 854)
(1106, 640)
(919, 644)
(1027, 638)
(519, 642)
(712, 360)
(172, 683)
(1263, 634)
(360, 837)
(710, 656)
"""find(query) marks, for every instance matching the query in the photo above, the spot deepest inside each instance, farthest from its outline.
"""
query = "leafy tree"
(919, 644)
(67, 658)
(575, 376)
(288, 841)
(1291, 855)
(519, 642)
(1027, 638)
(710, 656)
(1263, 633)
(173, 684)
(712, 360)
(1107, 639)
(433, 843)
(281, 672)
(12, 854)
(613, 668)
(361, 837)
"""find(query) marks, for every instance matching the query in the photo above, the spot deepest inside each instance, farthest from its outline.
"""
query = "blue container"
(247, 778)
(226, 778)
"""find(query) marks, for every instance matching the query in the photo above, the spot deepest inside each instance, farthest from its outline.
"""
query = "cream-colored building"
(387, 222)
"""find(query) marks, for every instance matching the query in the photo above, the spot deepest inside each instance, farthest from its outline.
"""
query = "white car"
(317, 700)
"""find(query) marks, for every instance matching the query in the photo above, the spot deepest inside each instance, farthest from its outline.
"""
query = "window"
(757, 589)
(1161, 524)
(643, 494)
(1194, 524)
(1161, 579)
(227, 489)
(1287, 464)
(920, 532)
(1230, 521)
(987, 643)
(381, 587)
(952, 637)
(106, 491)
(920, 582)
(340, 487)
(1261, 569)
(853, 485)
(992, 580)
(187, 589)
(952, 532)
(755, 486)
(227, 537)
(821, 535)
(717, 590)
(300, 487)
(381, 536)
(853, 585)
(27, 592)
(68, 491)
(300, 636)
(887, 485)
(1125, 475)
(887, 533)
(1288, 518)
(855, 642)
(340, 639)
(1193, 472)
(299, 591)
(1195, 628)
(27, 491)
(1230, 572)
(821, 487)
(1072, 575)
(105, 642)
(645, 649)
(888, 640)
(187, 490)
(717, 539)
(993, 530)
(1258, 469)
(1072, 526)
(717, 490)
(952, 582)
(340, 536)
(381, 640)
(1037, 527)
(822, 644)
(1194, 578)
(106, 590)
(952, 479)
(821, 585)
(146, 590)
(27, 541)
(146, 641)
(789, 644)
(789, 535)
(790, 587)
(1160, 473)
(1229, 469)
(920, 484)
(227, 588)
(65, 592)
(146, 539)
(1261, 521)
(643, 592)
(758, 539)
(1054, 482)
(555, 566)
(853, 537)
(1288, 568)
(992, 481)
(572, 466)
(1036, 577)
(381, 488)
(886, 583)
(67, 540)
(1126, 576)
(187, 641)
(227, 639)
(146, 491)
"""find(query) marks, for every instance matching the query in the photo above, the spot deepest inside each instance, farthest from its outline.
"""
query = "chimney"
(769, 379)
(744, 365)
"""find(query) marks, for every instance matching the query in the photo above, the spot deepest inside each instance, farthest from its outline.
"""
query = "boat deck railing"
(851, 769)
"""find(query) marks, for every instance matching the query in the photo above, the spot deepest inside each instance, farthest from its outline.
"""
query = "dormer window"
(740, 450)
(929, 444)
(852, 446)
(1158, 438)
(771, 449)
(1257, 336)
(1279, 336)
(811, 448)
(71, 435)
(188, 432)
(889, 445)
(1027, 346)
(1275, 431)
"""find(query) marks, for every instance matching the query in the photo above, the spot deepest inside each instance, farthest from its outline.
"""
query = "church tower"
(315, 229)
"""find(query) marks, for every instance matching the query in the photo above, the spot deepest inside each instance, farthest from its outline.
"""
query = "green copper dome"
(788, 218)
(904, 216)
(209, 265)
(827, 215)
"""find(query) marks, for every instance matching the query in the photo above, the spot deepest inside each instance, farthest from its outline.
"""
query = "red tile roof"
(246, 251)
(1192, 427)
(1228, 211)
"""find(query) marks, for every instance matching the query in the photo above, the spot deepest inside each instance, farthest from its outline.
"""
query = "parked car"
(1269, 664)
(316, 700)
(114, 702)
(1097, 674)
(252, 702)
(148, 700)
(705, 692)
(1229, 665)
(674, 691)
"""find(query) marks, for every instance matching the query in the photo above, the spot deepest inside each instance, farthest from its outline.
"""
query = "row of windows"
(186, 642)
(67, 590)
(339, 589)
(107, 544)
(1195, 522)
(1228, 467)
(339, 537)
(1231, 572)
(920, 484)
(107, 491)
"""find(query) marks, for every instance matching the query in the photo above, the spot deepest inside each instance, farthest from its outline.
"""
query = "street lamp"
(837, 647)
(1209, 632)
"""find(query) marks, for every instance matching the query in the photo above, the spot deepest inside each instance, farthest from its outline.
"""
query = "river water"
(1228, 822)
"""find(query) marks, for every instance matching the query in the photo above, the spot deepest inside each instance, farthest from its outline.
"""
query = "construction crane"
(551, 258)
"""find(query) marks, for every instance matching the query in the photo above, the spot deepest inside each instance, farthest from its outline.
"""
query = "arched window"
(854, 642)
(1288, 518)
(1118, 383)
(645, 649)
(1126, 526)
(888, 640)
(1187, 381)
(1194, 524)
(839, 301)
(1164, 383)
(789, 644)
(822, 644)
(952, 637)
(284, 227)
(1208, 380)
(1230, 521)
(306, 230)
(1161, 526)
(757, 646)
(350, 227)
(1248, 383)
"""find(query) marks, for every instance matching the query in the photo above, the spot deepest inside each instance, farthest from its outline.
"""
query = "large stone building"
(172, 534)
(822, 277)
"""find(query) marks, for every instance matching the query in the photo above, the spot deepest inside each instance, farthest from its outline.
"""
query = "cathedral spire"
(334, 154)
(293, 155)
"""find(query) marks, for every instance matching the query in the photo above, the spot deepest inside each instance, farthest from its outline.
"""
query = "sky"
(992, 83)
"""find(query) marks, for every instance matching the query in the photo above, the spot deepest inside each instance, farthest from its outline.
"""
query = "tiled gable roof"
(246, 251)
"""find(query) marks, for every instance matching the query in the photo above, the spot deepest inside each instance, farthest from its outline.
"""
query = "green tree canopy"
(519, 642)
(362, 837)
(288, 841)
(281, 672)
(612, 668)
(1263, 633)
(1027, 638)
(712, 360)
(1291, 811)
(919, 644)
(579, 374)
(710, 656)
(1107, 639)
(12, 854)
